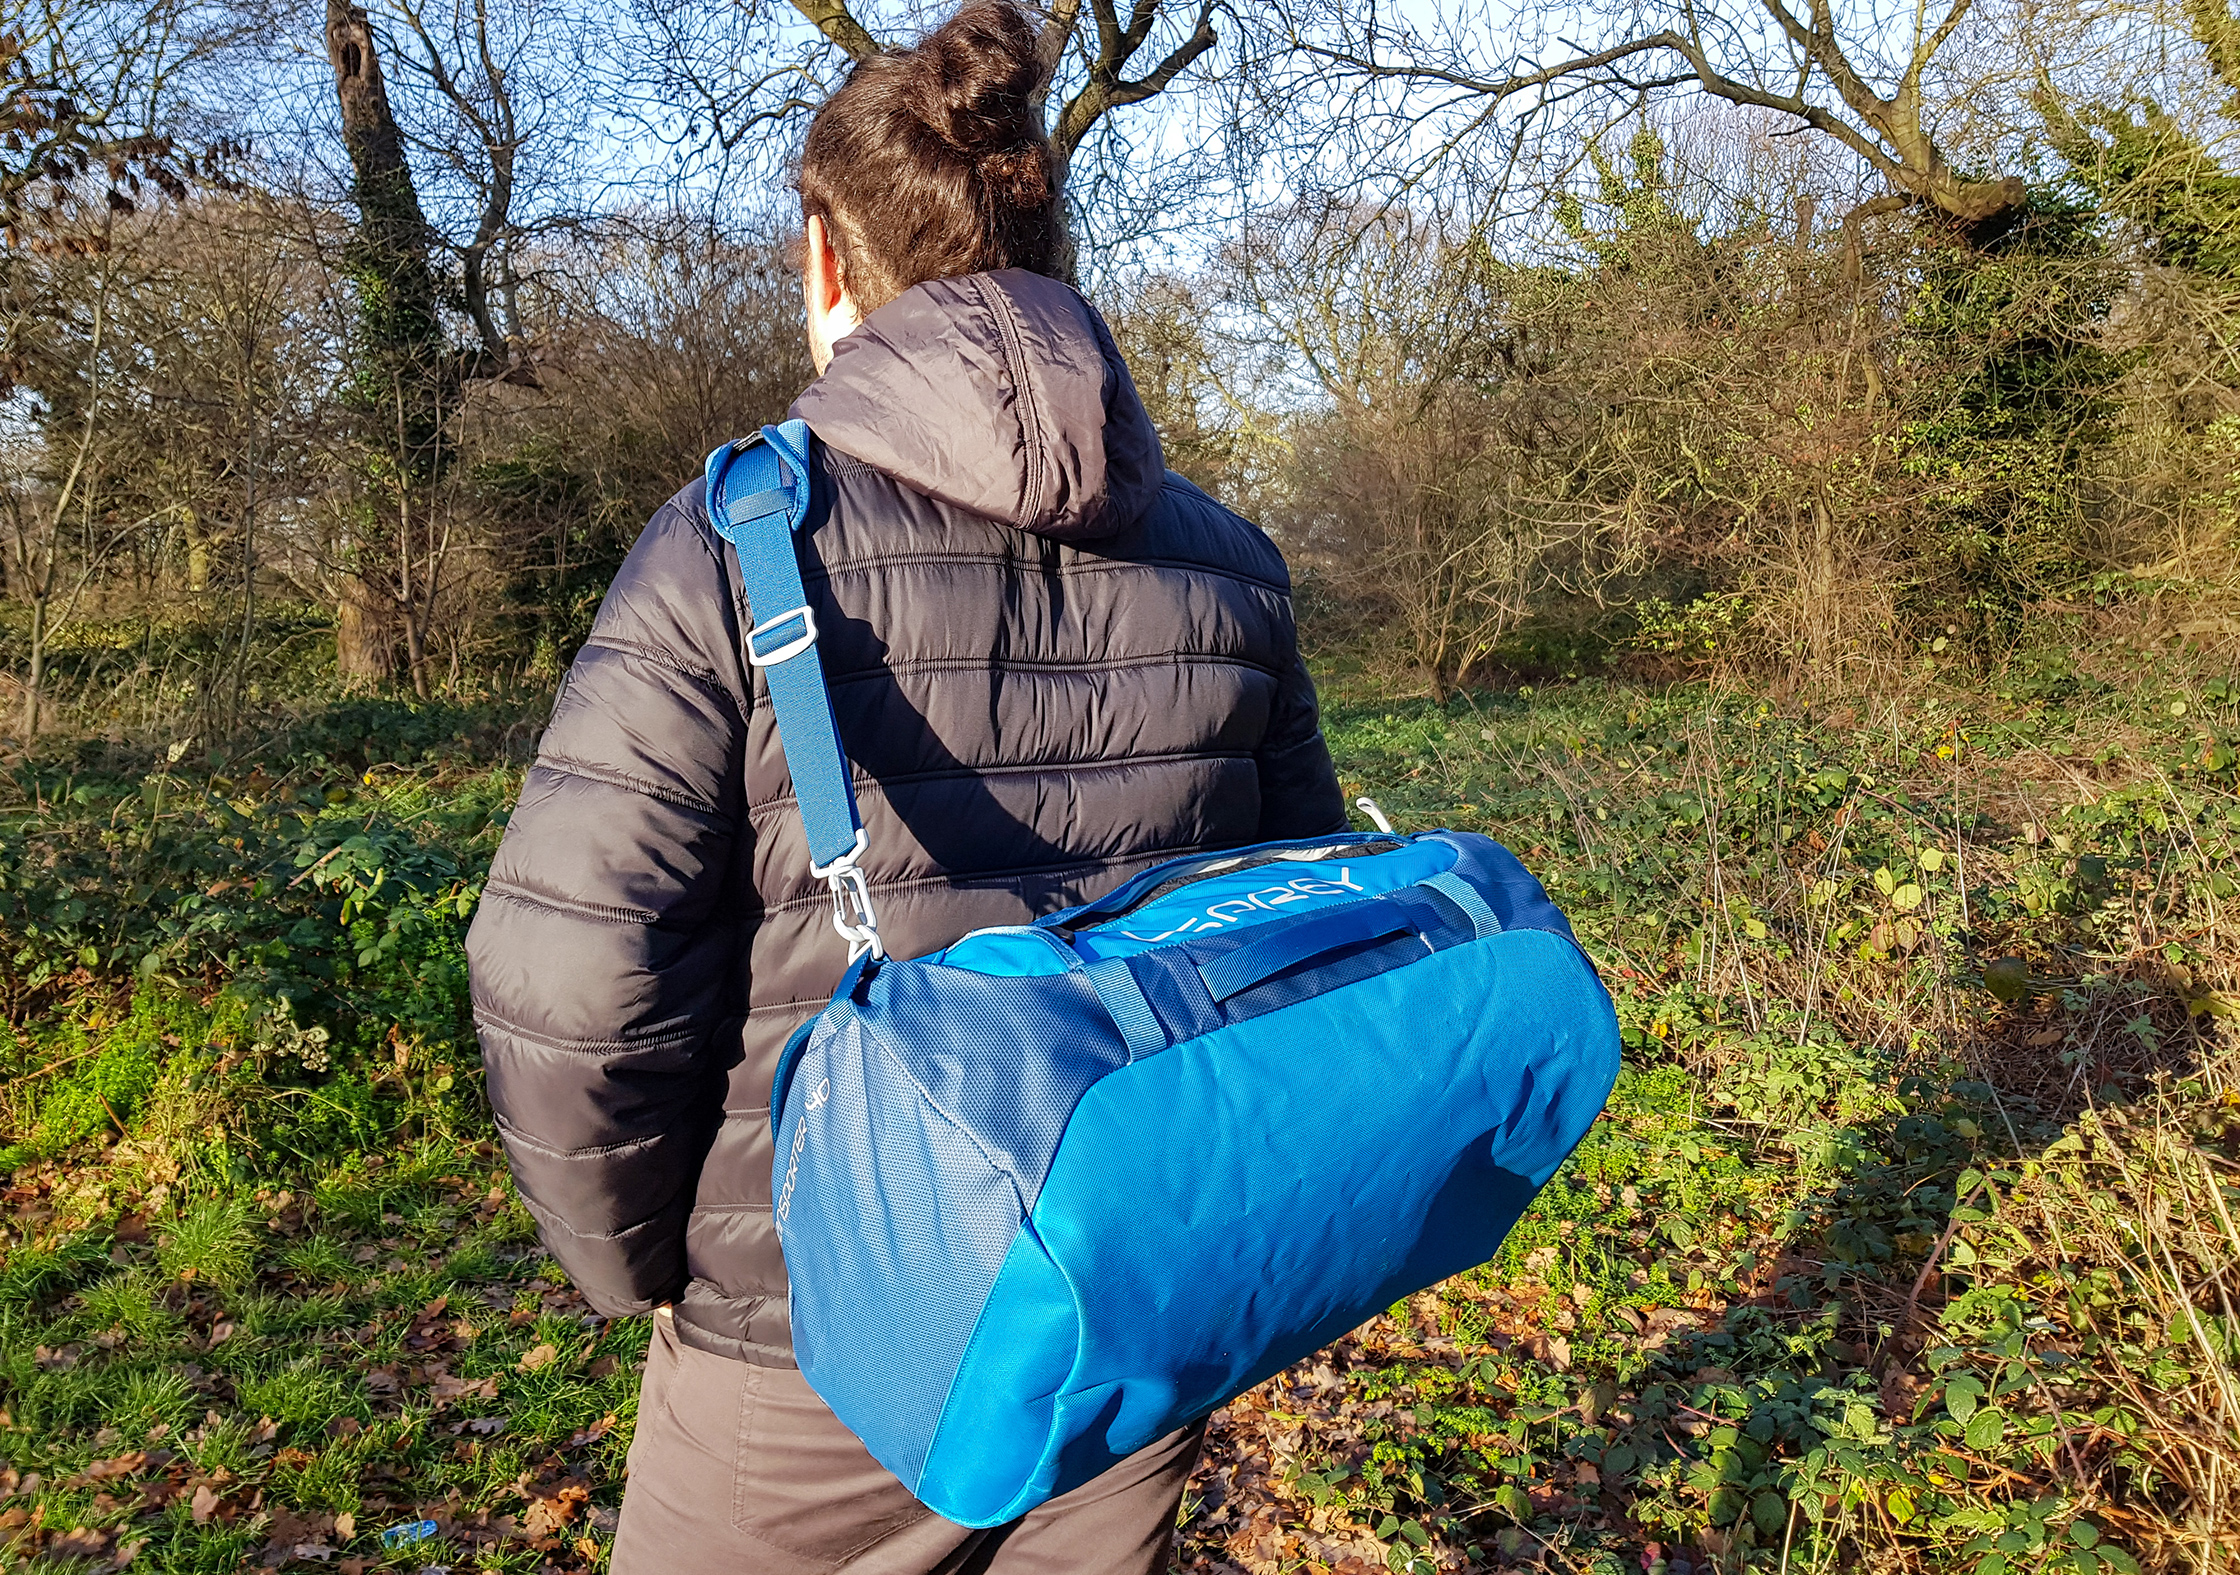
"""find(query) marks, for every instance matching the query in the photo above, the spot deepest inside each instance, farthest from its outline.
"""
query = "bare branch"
(1923, 53)
(840, 27)
(1888, 134)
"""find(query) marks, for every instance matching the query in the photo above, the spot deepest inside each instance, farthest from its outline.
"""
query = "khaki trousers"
(741, 1470)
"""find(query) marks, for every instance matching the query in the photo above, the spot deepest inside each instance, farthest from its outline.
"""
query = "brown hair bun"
(973, 81)
(932, 162)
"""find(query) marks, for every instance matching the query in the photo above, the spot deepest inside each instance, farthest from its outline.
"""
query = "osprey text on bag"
(1055, 1191)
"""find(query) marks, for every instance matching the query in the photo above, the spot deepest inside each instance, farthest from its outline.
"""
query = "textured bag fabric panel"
(896, 1213)
(992, 1457)
(1006, 1064)
(1233, 1204)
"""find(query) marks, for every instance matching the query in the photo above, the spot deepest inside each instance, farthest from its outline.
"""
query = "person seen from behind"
(1053, 663)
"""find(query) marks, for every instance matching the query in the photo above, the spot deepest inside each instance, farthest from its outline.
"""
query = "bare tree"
(398, 386)
(59, 533)
(1411, 484)
(498, 120)
(1086, 55)
(483, 119)
(1819, 66)
(86, 103)
(722, 76)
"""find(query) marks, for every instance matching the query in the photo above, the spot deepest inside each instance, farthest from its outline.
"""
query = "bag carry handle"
(757, 498)
(1233, 973)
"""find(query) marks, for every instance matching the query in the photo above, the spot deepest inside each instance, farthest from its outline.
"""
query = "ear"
(820, 268)
(824, 292)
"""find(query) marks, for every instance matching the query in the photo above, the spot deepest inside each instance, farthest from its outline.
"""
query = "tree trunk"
(391, 227)
(399, 360)
(364, 643)
(198, 553)
(38, 669)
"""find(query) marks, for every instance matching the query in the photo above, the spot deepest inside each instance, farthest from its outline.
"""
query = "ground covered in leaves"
(1907, 1240)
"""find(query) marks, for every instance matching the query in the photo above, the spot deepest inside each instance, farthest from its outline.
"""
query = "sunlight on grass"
(1907, 1237)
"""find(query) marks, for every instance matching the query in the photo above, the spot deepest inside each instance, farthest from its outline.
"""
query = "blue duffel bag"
(1053, 1192)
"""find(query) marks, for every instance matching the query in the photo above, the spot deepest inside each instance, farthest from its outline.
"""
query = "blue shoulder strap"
(758, 496)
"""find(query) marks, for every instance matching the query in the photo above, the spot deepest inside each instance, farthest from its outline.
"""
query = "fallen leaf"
(345, 1526)
(444, 1387)
(593, 1433)
(604, 1367)
(203, 1505)
(540, 1356)
(115, 1466)
(548, 1514)
(82, 1543)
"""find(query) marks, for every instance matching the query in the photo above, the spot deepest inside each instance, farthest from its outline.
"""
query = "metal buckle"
(850, 891)
(860, 929)
(793, 647)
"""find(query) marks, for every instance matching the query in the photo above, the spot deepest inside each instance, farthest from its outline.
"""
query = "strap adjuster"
(792, 648)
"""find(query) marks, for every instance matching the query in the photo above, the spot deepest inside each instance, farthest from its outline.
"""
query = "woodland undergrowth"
(1908, 1240)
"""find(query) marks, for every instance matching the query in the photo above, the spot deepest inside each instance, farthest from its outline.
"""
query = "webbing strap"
(1465, 896)
(1129, 1008)
(757, 497)
(1117, 989)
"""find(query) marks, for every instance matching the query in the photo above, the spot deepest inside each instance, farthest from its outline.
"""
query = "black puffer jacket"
(1053, 663)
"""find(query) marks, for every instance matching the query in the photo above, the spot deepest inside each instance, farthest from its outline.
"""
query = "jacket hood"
(1000, 393)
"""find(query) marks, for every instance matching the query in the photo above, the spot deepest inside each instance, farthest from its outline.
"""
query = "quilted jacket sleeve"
(604, 954)
(1299, 794)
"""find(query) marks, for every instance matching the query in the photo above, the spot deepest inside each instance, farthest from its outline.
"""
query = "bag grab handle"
(1233, 973)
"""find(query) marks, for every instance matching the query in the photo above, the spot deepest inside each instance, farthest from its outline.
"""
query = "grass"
(1907, 1241)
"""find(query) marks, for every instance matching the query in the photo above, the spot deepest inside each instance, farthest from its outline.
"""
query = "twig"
(2061, 1426)
(1974, 1460)
(315, 868)
(75, 1055)
(1929, 1269)
(364, 826)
